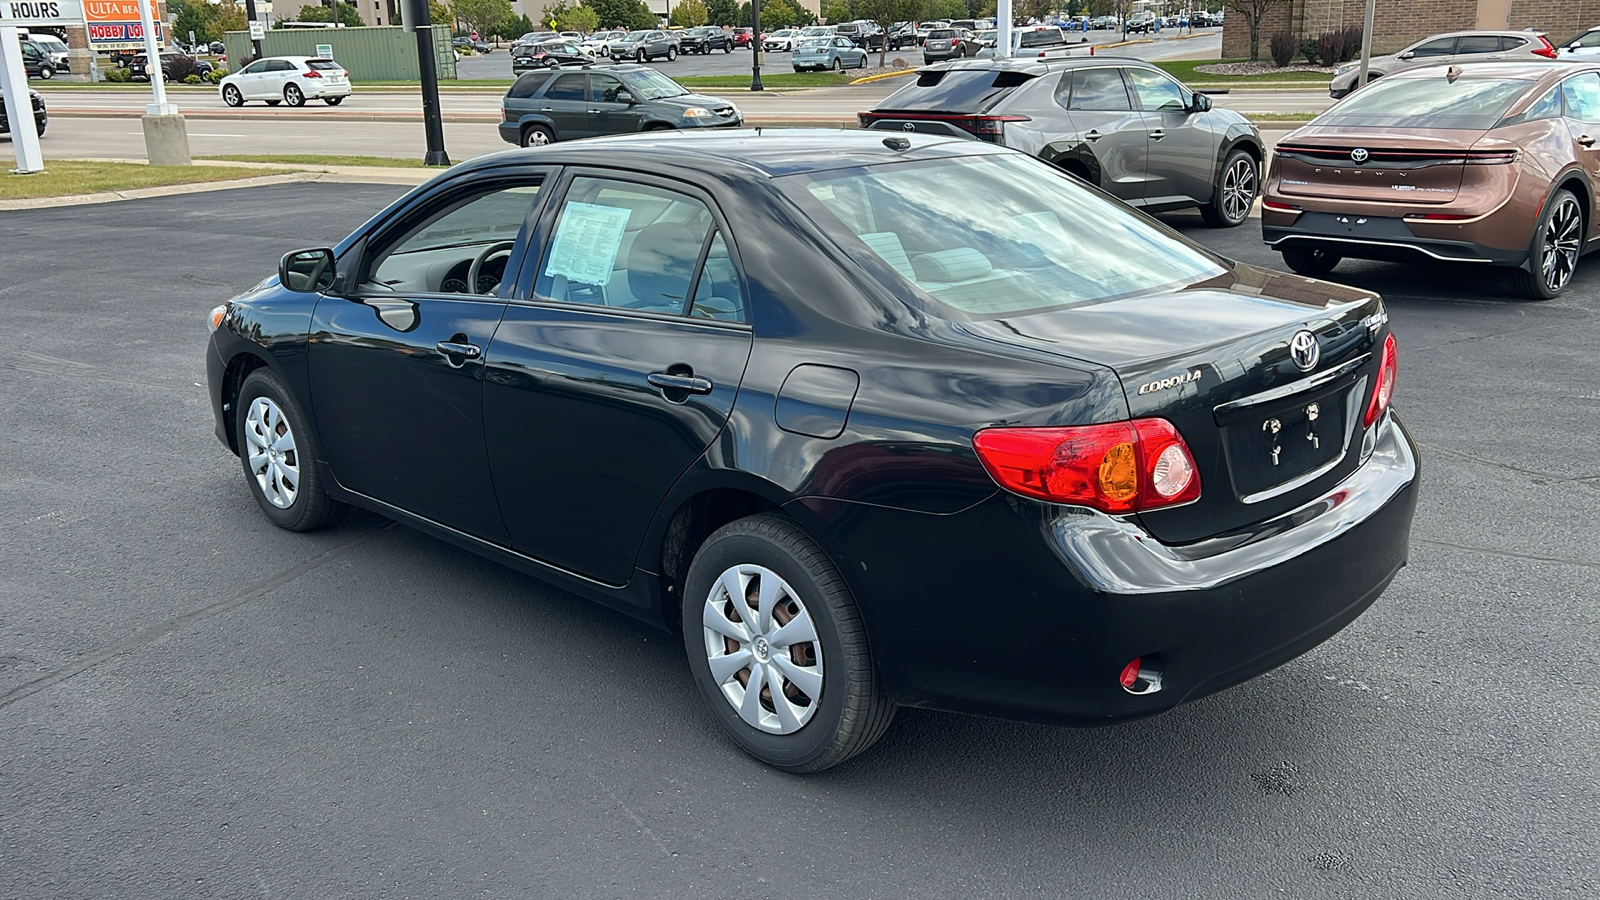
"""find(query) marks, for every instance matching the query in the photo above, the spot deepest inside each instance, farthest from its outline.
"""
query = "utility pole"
(755, 45)
(255, 42)
(1366, 44)
(417, 20)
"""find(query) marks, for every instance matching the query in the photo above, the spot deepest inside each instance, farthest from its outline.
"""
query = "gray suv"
(643, 46)
(1121, 124)
(562, 104)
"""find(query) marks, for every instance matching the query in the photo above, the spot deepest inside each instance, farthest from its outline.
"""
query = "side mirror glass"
(307, 271)
(1575, 45)
(1201, 103)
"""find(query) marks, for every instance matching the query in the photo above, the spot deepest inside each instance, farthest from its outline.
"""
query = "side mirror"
(1408, 55)
(1201, 103)
(1575, 45)
(307, 271)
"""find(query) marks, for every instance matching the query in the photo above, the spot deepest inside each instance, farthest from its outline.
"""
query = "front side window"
(605, 89)
(255, 68)
(1099, 90)
(434, 251)
(1440, 47)
(648, 84)
(633, 246)
(1036, 242)
(1587, 39)
(1157, 92)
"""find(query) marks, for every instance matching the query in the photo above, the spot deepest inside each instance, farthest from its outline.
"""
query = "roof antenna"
(897, 143)
(1452, 73)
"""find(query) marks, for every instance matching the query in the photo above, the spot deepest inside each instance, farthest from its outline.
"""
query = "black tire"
(838, 64)
(231, 95)
(641, 57)
(1234, 194)
(333, 101)
(552, 64)
(1553, 254)
(852, 710)
(537, 136)
(46, 73)
(672, 53)
(311, 507)
(273, 102)
(1312, 262)
(727, 48)
(293, 95)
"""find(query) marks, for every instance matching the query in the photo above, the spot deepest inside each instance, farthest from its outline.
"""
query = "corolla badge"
(1360, 154)
(1304, 351)
(1174, 381)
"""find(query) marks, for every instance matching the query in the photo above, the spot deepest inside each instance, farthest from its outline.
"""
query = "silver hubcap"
(763, 649)
(1238, 190)
(274, 460)
(537, 138)
(1562, 237)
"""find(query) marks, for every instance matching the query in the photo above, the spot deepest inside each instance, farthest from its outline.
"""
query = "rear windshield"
(997, 235)
(1432, 102)
(956, 90)
(528, 85)
(1042, 38)
(821, 43)
(942, 34)
(322, 65)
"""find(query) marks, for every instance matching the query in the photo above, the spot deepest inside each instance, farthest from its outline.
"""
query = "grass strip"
(67, 178)
(321, 159)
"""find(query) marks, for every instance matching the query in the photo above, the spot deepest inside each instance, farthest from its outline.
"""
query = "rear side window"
(571, 86)
(1478, 43)
(1546, 107)
(528, 85)
(956, 90)
(322, 65)
(1512, 43)
(1099, 90)
(1441, 47)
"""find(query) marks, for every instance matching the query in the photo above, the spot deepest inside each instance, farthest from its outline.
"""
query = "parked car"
(550, 54)
(864, 34)
(1140, 23)
(475, 46)
(987, 38)
(49, 49)
(1490, 164)
(287, 79)
(902, 36)
(837, 369)
(1121, 124)
(1584, 45)
(949, 43)
(599, 43)
(546, 106)
(780, 41)
(821, 53)
(37, 62)
(41, 117)
(742, 37)
(643, 46)
(138, 68)
(531, 38)
(705, 39)
(1041, 42)
(1457, 47)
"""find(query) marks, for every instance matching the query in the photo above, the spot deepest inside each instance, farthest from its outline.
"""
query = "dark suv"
(705, 39)
(40, 117)
(1121, 124)
(560, 105)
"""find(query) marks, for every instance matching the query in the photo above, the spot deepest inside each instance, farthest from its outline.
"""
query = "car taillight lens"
(993, 126)
(1121, 467)
(1384, 392)
(313, 73)
(1548, 51)
(955, 42)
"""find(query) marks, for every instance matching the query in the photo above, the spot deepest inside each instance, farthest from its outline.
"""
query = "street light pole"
(250, 16)
(417, 18)
(755, 45)
(1366, 44)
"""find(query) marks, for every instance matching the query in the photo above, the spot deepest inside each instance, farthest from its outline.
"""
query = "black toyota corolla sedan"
(862, 441)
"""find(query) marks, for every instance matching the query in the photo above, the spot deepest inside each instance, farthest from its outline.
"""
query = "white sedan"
(287, 79)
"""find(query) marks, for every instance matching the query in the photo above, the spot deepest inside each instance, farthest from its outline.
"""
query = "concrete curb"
(1124, 43)
(883, 75)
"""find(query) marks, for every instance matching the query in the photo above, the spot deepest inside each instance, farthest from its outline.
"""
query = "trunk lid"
(1426, 167)
(1223, 373)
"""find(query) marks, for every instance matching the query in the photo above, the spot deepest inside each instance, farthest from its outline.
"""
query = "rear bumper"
(1381, 238)
(1054, 601)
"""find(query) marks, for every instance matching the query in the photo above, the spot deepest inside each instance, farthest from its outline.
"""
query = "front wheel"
(1557, 244)
(293, 96)
(46, 73)
(333, 101)
(231, 96)
(778, 648)
(727, 48)
(1235, 193)
(1312, 262)
(280, 461)
(672, 53)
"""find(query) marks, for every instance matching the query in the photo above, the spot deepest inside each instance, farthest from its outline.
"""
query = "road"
(196, 704)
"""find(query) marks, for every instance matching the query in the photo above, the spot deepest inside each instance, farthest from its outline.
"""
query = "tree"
(438, 13)
(632, 15)
(884, 13)
(190, 16)
(690, 14)
(225, 17)
(345, 14)
(552, 16)
(722, 12)
(517, 26)
(583, 19)
(483, 16)
(779, 14)
(1253, 12)
(1033, 9)
(836, 11)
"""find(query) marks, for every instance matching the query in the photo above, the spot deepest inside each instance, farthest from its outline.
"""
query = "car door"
(1182, 155)
(278, 73)
(615, 369)
(609, 110)
(250, 79)
(396, 365)
(1103, 118)
(1580, 97)
(566, 102)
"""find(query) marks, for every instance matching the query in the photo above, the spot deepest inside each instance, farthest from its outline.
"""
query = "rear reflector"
(1438, 217)
(1278, 207)
(1384, 392)
(1130, 674)
(1118, 468)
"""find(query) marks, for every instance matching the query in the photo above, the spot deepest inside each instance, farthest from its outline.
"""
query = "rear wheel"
(838, 64)
(1312, 262)
(274, 102)
(333, 101)
(778, 648)
(1557, 243)
(536, 136)
(1235, 192)
(293, 96)
(279, 459)
(231, 96)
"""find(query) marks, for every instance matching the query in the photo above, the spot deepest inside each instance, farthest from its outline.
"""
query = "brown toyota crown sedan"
(1492, 164)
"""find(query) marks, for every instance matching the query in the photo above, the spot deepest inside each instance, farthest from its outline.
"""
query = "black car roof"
(771, 152)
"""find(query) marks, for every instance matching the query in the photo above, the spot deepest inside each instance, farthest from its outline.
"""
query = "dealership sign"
(114, 24)
(41, 12)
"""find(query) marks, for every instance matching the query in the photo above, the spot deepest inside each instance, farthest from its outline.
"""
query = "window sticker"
(586, 244)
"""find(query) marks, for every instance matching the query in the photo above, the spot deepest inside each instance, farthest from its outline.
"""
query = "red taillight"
(1384, 392)
(994, 125)
(1548, 51)
(955, 42)
(312, 73)
(1122, 467)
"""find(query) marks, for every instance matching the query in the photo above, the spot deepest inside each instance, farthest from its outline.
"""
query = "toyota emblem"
(1304, 351)
(909, 126)
(1360, 154)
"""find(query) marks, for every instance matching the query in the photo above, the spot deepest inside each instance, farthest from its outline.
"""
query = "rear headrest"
(959, 264)
(660, 262)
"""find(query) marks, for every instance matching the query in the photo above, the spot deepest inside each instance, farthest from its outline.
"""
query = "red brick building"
(1397, 23)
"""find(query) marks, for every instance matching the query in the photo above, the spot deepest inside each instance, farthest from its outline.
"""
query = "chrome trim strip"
(1289, 390)
(1396, 244)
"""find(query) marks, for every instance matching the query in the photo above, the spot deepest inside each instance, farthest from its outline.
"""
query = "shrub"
(191, 79)
(1283, 47)
(180, 68)
(119, 76)
(1308, 49)
(1330, 44)
(217, 75)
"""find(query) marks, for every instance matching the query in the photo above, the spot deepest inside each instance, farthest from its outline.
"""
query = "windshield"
(1432, 102)
(648, 84)
(997, 235)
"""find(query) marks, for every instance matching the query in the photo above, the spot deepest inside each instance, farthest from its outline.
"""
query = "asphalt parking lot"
(194, 703)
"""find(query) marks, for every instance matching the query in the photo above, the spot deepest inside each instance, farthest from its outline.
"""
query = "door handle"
(691, 383)
(1093, 136)
(1157, 135)
(1586, 140)
(594, 112)
(453, 349)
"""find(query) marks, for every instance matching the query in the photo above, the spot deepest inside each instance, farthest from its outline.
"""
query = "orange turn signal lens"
(1119, 473)
(217, 316)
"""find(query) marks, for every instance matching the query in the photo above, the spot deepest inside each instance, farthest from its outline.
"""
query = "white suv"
(287, 79)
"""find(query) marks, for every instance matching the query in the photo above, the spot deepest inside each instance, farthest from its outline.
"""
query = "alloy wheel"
(763, 649)
(274, 458)
(1238, 189)
(1562, 241)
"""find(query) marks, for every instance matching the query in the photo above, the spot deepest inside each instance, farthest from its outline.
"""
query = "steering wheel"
(496, 249)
